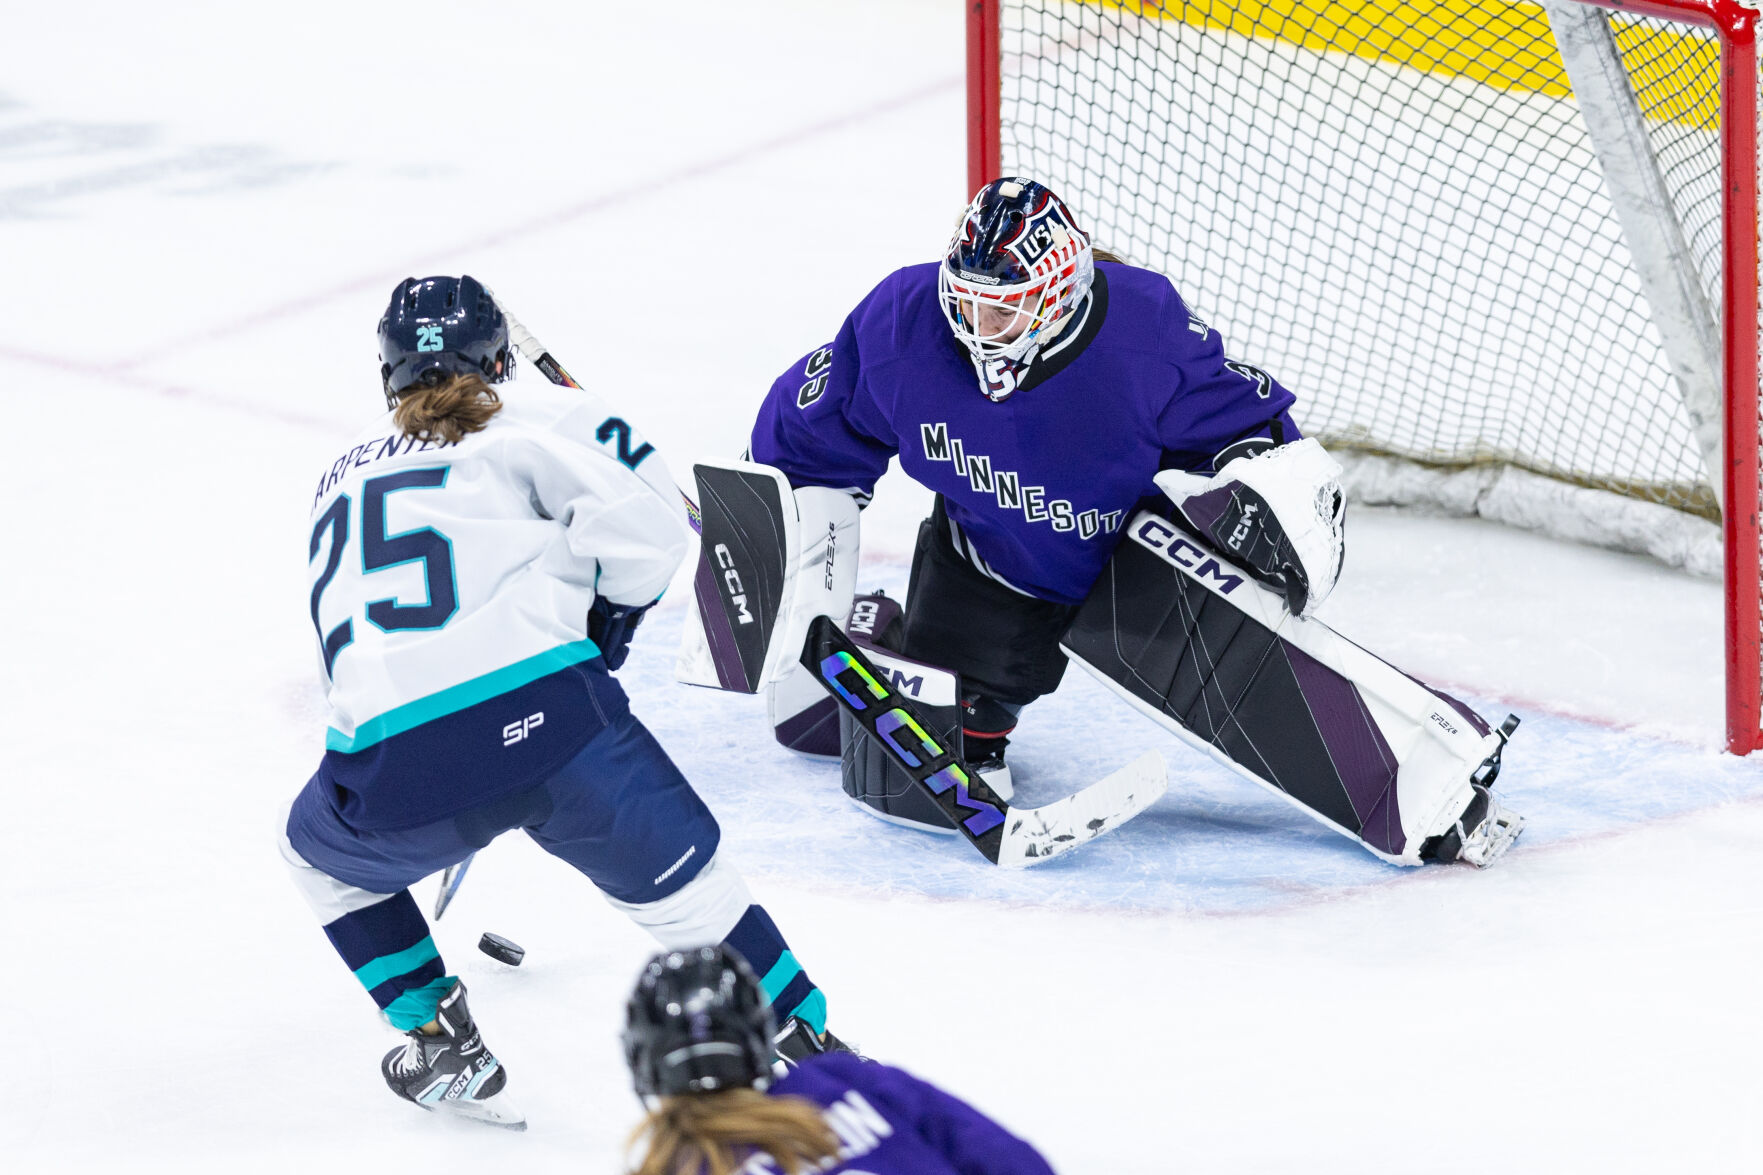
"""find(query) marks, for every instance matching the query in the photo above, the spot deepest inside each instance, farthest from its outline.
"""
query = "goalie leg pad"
(1218, 660)
(804, 717)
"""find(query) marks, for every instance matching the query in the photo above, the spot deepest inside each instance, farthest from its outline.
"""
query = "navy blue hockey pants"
(619, 811)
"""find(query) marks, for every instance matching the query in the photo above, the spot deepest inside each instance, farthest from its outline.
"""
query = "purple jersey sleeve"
(1219, 400)
(968, 1141)
(819, 423)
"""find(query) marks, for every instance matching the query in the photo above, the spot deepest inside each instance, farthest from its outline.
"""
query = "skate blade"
(493, 1111)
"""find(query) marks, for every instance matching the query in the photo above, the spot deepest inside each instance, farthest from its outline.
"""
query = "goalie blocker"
(1217, 659)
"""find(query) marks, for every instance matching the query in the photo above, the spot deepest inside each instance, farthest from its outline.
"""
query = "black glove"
(611, 626)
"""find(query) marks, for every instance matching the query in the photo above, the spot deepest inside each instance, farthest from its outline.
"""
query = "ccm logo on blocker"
(731, 580)
(516, 731)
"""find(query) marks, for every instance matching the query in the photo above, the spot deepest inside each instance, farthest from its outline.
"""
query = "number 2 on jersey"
(380, 551)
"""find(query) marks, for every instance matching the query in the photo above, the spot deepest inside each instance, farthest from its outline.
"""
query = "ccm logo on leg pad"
(1173, 547)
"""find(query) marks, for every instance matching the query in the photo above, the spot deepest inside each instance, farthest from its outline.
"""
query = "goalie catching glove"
(1279, 513)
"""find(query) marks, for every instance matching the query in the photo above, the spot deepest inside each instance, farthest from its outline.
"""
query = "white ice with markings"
(202, 210)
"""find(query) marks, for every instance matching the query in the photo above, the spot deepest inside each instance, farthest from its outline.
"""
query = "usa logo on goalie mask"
(1043, 233)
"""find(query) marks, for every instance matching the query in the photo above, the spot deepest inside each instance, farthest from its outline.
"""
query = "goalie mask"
(1016, 270)
(441, 326)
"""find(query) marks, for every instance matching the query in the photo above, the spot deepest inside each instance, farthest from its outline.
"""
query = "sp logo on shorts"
(516, 732)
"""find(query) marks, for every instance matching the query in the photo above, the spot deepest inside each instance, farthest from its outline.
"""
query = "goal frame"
(1734, 22)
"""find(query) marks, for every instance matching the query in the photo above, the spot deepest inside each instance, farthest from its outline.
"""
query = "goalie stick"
(1004, 835)
(540, 357)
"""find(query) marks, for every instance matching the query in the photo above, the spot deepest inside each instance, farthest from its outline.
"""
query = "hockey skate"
(452, 1072)
(1482, 834)
(1485, 830)
(989, 765)
(796, 1041)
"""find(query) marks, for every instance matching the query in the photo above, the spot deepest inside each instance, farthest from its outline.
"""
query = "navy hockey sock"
(388, 947)
(788, 987)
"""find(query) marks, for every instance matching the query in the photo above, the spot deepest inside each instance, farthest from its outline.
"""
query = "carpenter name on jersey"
(1038, 483)
(366, 453)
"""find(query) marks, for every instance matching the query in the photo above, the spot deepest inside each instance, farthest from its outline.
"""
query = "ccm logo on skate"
(517, 731)
(1164, 539)
(731, 583)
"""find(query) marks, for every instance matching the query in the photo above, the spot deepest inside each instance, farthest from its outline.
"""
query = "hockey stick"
(540, 357)
(451, 878)
(1003, 835)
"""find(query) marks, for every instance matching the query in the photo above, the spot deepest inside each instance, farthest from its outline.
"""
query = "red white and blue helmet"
(1016, 247)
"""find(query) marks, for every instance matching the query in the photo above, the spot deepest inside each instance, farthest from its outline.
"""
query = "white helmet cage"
(1005, 296)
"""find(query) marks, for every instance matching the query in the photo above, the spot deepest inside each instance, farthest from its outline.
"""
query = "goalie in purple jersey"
(1038, 388)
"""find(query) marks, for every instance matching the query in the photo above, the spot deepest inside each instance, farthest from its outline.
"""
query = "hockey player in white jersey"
(477, 568)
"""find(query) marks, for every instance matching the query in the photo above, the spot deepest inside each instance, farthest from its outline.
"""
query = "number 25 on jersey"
(380, 551)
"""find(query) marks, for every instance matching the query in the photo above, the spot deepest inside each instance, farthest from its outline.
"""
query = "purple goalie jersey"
(891, 1123)
(1038, 485)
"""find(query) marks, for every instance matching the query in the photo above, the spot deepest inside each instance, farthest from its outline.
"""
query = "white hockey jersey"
(448, 579)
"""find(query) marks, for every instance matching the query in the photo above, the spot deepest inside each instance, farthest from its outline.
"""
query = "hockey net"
(1488, 244)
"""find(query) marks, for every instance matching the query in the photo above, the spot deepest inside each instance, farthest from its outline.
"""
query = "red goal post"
(1195, 136)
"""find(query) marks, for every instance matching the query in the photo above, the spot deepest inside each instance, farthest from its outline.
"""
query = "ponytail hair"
(715, 1133)
(447, 410)
(1105, 255)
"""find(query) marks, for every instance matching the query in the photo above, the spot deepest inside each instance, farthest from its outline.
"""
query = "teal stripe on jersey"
(458, 697)
(785, 969)
(415, 1008)
(391, 966)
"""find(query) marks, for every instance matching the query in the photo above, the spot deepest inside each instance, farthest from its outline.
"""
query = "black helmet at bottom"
(696, 1023)
(438, 326)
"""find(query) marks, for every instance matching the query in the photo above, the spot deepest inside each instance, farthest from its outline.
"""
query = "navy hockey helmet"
(438, 326)
(1017, 266)
(698, 1022)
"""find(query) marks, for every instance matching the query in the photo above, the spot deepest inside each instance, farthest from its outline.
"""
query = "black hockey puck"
(501, 949)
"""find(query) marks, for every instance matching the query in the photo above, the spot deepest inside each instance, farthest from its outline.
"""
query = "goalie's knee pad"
(1217, 659)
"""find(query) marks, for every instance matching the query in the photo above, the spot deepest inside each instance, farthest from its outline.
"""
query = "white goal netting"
(1398, 211)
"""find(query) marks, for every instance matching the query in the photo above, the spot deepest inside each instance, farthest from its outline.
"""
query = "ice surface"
(202, 209)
